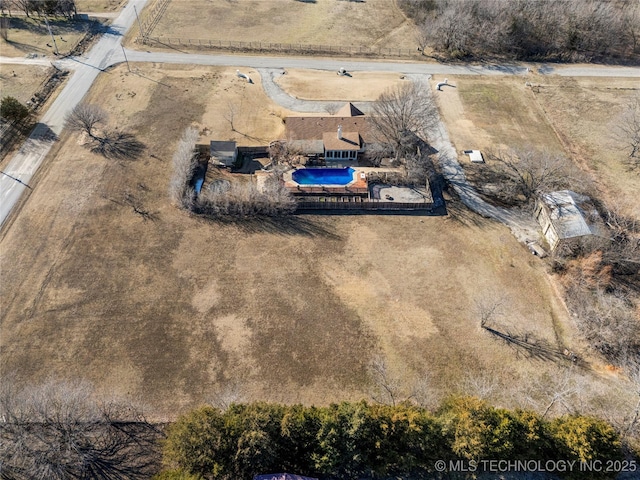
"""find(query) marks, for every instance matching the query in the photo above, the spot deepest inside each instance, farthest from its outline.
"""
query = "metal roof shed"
(566, 215)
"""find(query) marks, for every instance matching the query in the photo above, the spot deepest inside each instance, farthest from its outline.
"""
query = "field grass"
(22, 81)
(175, 310)
(30, 35)
(323, 85)
(99, 5)
(575, 117)
(373, 23)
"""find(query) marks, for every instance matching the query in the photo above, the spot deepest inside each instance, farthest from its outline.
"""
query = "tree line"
(560, 30)
(65, 8)
(362, 440)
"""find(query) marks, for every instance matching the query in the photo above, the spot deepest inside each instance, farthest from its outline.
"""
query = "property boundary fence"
(299, 48)
(336, 203)
(155, 13)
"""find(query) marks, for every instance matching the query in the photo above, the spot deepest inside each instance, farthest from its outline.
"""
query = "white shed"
(475, 156)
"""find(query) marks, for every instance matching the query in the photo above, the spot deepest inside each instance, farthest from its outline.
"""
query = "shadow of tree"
(285, 225)
(533, 347)
(460, 213)
(118, 145)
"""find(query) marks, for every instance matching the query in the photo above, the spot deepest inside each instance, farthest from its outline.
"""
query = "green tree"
(12, 110)
(197, 443)
(349, 441)
(476, 430)
(299, 429)
(254, 430)
(410, 440)
(586, 439)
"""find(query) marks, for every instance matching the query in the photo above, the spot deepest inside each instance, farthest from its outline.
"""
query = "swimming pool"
(324, 176)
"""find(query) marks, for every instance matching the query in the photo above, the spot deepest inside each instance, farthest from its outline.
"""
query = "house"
(223, 153)
(566, 216)
(339, 138)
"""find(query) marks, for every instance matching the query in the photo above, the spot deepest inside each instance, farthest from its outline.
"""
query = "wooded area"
(560, 30)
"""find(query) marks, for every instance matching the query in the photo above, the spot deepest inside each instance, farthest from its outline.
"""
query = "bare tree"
(627, 130)
(58, 431)
(184, 164)
(230, 114)
(402, 117)
(387, 388)
(85, 117)
(488, 309)
(245, 199)
(525, 174)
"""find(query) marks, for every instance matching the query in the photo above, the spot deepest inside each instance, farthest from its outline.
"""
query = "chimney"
(339, 132)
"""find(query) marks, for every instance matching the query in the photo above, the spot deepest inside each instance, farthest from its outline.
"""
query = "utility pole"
(144, 40)
(125, 57)
(52, 37)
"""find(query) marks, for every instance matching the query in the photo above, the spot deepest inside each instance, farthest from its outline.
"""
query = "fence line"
(363, 205)
(281, 47)
(153, 18)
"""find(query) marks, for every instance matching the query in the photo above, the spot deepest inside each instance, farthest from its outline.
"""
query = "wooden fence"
(335, 203)
(298, 48)
(152, 17)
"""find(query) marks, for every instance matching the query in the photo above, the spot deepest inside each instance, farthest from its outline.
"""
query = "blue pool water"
(323, 176)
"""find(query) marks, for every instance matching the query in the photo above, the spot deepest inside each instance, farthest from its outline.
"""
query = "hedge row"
(359, 440)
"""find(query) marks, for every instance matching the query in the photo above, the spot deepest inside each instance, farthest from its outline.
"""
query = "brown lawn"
(572, 116)
(22, 81)
(377, 23)
(324, 85)
(177, 310)
(30, 35)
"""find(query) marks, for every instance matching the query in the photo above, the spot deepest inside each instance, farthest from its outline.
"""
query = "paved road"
(377, 66)
(15, 178)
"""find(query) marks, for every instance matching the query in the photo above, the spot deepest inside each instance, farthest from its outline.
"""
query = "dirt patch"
(175, 310)
(323, 85)
(372, 23)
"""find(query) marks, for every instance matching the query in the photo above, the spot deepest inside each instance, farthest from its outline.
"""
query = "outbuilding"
(566, 216)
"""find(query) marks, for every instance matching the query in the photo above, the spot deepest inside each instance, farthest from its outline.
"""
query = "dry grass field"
(573, 116)
(30, 35)
(326, 85)
(175, 310)
(99, 5)
(328, 22)
(22, 81)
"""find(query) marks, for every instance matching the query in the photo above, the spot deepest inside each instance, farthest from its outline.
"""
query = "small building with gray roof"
(566, 216)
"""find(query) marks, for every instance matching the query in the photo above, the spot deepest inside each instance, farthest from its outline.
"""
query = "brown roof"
(349, 141)
(314, 128)
(349, 110)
